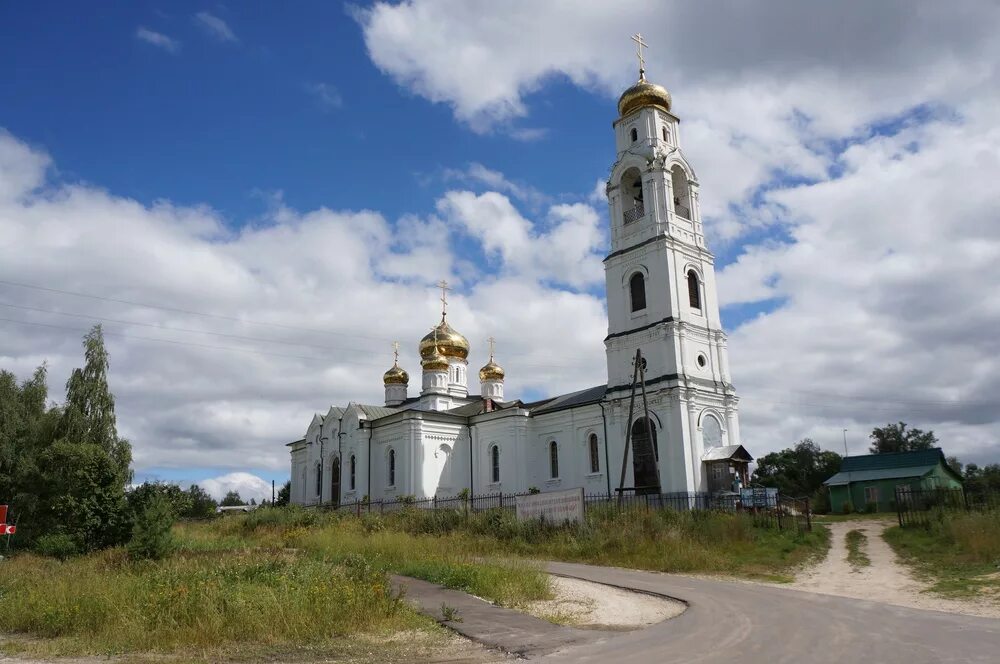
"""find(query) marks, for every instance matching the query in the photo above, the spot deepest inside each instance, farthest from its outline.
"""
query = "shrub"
(56, 545)
(151, 533)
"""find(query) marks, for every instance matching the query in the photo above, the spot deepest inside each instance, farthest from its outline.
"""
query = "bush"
(56, 545)
(151, 533)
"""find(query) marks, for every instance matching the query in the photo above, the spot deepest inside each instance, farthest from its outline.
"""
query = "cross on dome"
(492, 342)
(395, 352)
(443, 285)
(639, 43)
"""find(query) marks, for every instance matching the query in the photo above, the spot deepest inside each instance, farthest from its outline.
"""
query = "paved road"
(729, 622)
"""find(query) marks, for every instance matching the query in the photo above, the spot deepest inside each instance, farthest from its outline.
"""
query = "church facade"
(661, 300)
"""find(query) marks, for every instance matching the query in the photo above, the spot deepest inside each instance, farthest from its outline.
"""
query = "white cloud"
(478, 174)
(247, 485)
(215, 26)
(157, 39)
(310, 302)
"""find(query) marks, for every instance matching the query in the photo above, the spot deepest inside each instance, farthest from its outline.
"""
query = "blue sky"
(264, 142)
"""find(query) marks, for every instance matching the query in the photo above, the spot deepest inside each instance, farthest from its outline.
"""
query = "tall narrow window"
(494, 464)
(665, 134)
(637, 289)
(354, 471)
(319, 479)
(553, 460)
(694, 290)
(595, 457)
(634, 135)
(392, 467)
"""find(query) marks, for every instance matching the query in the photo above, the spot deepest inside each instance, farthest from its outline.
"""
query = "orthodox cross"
(443, 285)
(639, 43)
(492, 342)
(395, 352)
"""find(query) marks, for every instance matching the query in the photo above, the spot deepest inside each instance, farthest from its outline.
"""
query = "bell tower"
(660, 279)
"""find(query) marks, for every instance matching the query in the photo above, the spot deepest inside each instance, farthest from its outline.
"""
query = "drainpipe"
(607, 474)
(472, 428)
(369, 487)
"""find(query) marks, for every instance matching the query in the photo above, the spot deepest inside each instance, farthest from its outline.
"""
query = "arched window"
(319, 478)
(630, 186)
(637, 290)
(354, 471)
(553, 460)
(494, 464)
(665, 134)
(711, 431)
(634, 135)
(392, 467)
(595, 457)
(694, 290)
(682, 192)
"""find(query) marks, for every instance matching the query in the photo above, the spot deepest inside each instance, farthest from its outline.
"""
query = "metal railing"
(638, 212)
(916, 507)
(786, 513)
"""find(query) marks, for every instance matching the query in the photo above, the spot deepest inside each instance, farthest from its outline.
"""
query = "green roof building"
(874, 478)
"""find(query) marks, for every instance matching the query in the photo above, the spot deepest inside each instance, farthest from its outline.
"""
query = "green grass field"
(959, 552)
(284, 580)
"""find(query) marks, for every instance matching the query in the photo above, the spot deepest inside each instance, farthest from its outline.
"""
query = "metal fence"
(784, 513)
(917, 507)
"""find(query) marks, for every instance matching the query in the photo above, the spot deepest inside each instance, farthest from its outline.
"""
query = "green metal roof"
(929, 457)
(843, 477)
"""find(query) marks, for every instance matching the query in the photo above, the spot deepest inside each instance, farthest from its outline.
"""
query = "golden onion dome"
(491, 371)
(643, 94)
(396, 376)
(446, 341)
(434, 360)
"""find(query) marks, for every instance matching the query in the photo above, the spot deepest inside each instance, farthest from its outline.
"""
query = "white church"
(661, 299)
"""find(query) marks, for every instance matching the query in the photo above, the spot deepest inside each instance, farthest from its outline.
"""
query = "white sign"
(554, 506)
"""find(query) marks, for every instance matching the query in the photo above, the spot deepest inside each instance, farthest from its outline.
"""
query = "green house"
(874, 478)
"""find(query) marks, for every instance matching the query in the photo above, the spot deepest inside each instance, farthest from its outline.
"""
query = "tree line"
(801, 470)
(66, 472)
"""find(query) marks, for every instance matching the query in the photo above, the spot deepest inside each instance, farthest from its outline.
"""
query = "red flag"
(3, 514)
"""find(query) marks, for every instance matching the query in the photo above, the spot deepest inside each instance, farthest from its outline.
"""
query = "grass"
(283, 583)
(958, 552)
(853, 516)
(857, 542)
(105, 604)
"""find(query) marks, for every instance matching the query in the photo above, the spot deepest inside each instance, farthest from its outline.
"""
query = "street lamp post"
(850, 501)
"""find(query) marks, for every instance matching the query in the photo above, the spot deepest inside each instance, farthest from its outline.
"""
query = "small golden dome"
(491, 371)
(396, 376)
(447, 342)
(434, 360)
(643, 94)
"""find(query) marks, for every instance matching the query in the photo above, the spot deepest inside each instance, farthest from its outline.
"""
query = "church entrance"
(335, 482)
(645, 455)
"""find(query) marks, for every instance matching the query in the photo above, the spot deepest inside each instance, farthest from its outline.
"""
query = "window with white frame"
(595, 456)
(553, 460)
(495, 464)
(392, 467)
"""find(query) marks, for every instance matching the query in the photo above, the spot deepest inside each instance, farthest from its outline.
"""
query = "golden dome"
(396, 376)
(434, 360)
(447, 341)
(643, 94)
(491, 371)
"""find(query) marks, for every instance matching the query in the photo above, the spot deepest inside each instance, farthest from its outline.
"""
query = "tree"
(284, 494)
(797, 471)
(143, 495)
(982, 480)
(896, 438)
(201, 504)
(89, 415)
(152, 535)
(232, 499)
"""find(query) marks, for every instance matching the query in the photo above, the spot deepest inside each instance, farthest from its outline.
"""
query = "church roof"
(571, 400)
(376, 412)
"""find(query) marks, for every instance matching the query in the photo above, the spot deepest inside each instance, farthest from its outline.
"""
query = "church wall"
(570, 429)
(444, 448)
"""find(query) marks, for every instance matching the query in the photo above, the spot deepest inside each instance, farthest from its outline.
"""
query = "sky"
(255, 199)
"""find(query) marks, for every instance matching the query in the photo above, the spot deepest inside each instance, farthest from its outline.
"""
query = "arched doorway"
(335, 482)
(645, 455)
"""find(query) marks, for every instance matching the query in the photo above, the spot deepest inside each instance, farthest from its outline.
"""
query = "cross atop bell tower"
(639, 44)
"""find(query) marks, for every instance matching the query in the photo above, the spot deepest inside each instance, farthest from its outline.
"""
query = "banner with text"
(554, 506)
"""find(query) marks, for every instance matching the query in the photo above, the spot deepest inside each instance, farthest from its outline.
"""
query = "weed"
(450, 613)
(857, 543)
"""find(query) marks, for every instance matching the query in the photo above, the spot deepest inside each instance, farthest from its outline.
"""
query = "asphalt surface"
(728, 621)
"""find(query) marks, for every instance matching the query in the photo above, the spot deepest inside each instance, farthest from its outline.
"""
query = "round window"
(702, 361)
